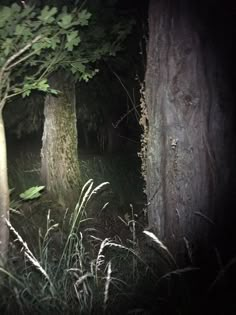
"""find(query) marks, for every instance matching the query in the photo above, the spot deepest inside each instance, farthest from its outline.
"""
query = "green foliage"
(32, 193)
(34, 43)
(69, 270)
(73, 40)
(39, 85)
(47, 15)
(84, 17)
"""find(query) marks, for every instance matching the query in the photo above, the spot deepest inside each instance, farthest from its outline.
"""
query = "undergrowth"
(121, 171)
(69, 271)
(72, 271)
(61, 264)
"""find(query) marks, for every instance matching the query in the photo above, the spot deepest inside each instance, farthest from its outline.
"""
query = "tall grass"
(62, 275)
(68, 269)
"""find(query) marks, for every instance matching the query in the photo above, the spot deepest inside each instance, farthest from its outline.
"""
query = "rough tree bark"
(59, 156)
(187, 148)
(4, 198)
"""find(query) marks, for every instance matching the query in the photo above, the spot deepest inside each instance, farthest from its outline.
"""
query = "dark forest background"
(112, 242)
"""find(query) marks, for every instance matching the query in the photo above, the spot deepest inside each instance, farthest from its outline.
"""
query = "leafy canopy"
(36, 42)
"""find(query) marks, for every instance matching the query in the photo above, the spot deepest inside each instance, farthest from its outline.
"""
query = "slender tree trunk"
(187, 149)
(59, 167)
(4, 195)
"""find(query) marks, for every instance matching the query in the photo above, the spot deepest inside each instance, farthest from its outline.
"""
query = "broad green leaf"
(72, 40)
(23, 30)
(83, 17)
(42, 85)
(47, 15)
(39, 46)
(49, 42)
(26, 93)
(72, 35)
(32, 193)
(66, 21)
(77, 67)
(86, 76)
(27, 88)
(7, 46)
(54, 42)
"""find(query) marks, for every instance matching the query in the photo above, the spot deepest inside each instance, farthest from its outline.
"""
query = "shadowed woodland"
(117, 157)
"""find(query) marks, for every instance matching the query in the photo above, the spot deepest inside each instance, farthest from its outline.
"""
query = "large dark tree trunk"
(60, 170)
(187, 159)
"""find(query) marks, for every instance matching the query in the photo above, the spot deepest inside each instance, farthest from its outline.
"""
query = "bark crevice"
(186, 141)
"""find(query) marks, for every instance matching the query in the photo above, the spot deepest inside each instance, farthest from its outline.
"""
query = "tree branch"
(22, 59)
(19, 53)
(7, 66)
(3, 83)
(3, 101)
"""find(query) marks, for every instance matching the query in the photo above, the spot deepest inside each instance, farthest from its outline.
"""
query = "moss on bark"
(59, 154)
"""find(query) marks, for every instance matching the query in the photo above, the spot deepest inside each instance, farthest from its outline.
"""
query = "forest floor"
(62, 261)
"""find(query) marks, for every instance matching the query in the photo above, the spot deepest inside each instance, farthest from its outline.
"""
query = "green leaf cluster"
(40, 85)
(37, 42)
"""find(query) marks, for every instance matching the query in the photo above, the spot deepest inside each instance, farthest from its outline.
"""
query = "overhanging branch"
(19, 53)
(3, 100)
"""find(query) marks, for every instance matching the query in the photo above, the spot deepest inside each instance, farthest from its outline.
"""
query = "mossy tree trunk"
(4, 195)
(59, 156)
(187, 150)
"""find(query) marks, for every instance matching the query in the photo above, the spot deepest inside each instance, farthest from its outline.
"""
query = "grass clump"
(65, 266)
(69, 272)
